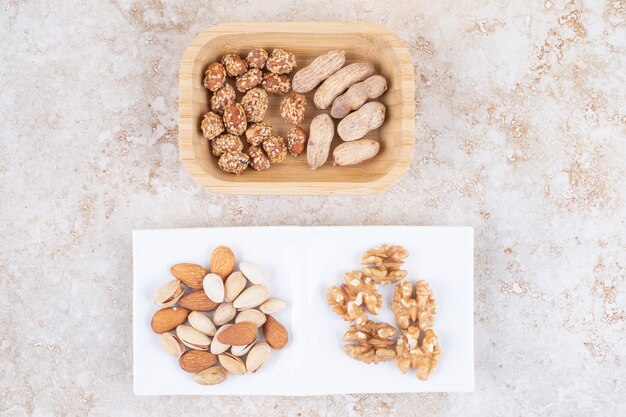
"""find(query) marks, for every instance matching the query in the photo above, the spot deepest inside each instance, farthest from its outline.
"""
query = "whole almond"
(211, 376)
(257, 356)
(232, 364)
(251, 297)
(214, 287)
(222, 261)
(275, 333)
(234, 285)
(238, 334)
(190, 274)
(196, 360)
(252, 315)
(167, 319)
(197, 301)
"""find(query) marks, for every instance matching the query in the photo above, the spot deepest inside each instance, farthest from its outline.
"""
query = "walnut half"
(409, 307)
(358, 294)
(374, 342)
(383, 263)
(410, 353)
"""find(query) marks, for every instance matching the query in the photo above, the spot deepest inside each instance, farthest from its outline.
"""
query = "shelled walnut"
(352, 299)
(374, 342)
(411, 354)
(383, 263)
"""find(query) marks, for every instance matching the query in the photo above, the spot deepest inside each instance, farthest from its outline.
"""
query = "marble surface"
(521, 133)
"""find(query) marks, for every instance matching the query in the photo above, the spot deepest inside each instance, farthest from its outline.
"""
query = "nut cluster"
(227, 340)
(413, 306)
(229, 119)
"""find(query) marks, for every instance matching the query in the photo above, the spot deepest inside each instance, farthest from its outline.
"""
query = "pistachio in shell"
(257, 357)
(193, 338)
(169, 293)
(202, 323)
(171, 344)
(232, 363)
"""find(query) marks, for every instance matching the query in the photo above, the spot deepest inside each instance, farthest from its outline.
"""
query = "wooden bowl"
(362, 42)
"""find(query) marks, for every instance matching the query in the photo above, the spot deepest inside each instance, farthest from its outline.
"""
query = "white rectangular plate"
(303, 262)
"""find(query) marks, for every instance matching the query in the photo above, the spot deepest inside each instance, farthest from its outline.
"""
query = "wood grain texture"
(307, 40)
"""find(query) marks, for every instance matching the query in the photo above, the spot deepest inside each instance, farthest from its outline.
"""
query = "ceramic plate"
(303, 262)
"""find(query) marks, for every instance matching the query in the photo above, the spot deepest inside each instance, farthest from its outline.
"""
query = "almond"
(275, 333)
(239, 334)
(167, 319)
(222, 262)
(197, 301)
(190, 274)
(196, 360)
(216, 346)
(211, 376)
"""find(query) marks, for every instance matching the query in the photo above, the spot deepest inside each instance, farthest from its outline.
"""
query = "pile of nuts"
(228, 120)
(413, 306)
(347, 88)
(240, 304)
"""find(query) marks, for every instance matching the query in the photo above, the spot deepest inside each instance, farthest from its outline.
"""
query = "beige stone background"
(521, 133)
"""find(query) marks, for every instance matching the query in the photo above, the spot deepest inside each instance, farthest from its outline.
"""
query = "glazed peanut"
(317, 71)
(356, 125)
(340, 81)
(321, 135)
(350, 153)
(358, 94)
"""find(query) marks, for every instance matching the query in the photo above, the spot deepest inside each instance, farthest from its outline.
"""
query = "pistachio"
(171, 344)
(218, 347)
(233, 286)
(213, 287)
(242, 350)
(251, 297)
(251, 315)
(201, 323)
(272, 306)
(253, 272)
(232, 363)
(211, 376)
(257, 357)
(224, 314)
(192, 338)
(169, 294)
